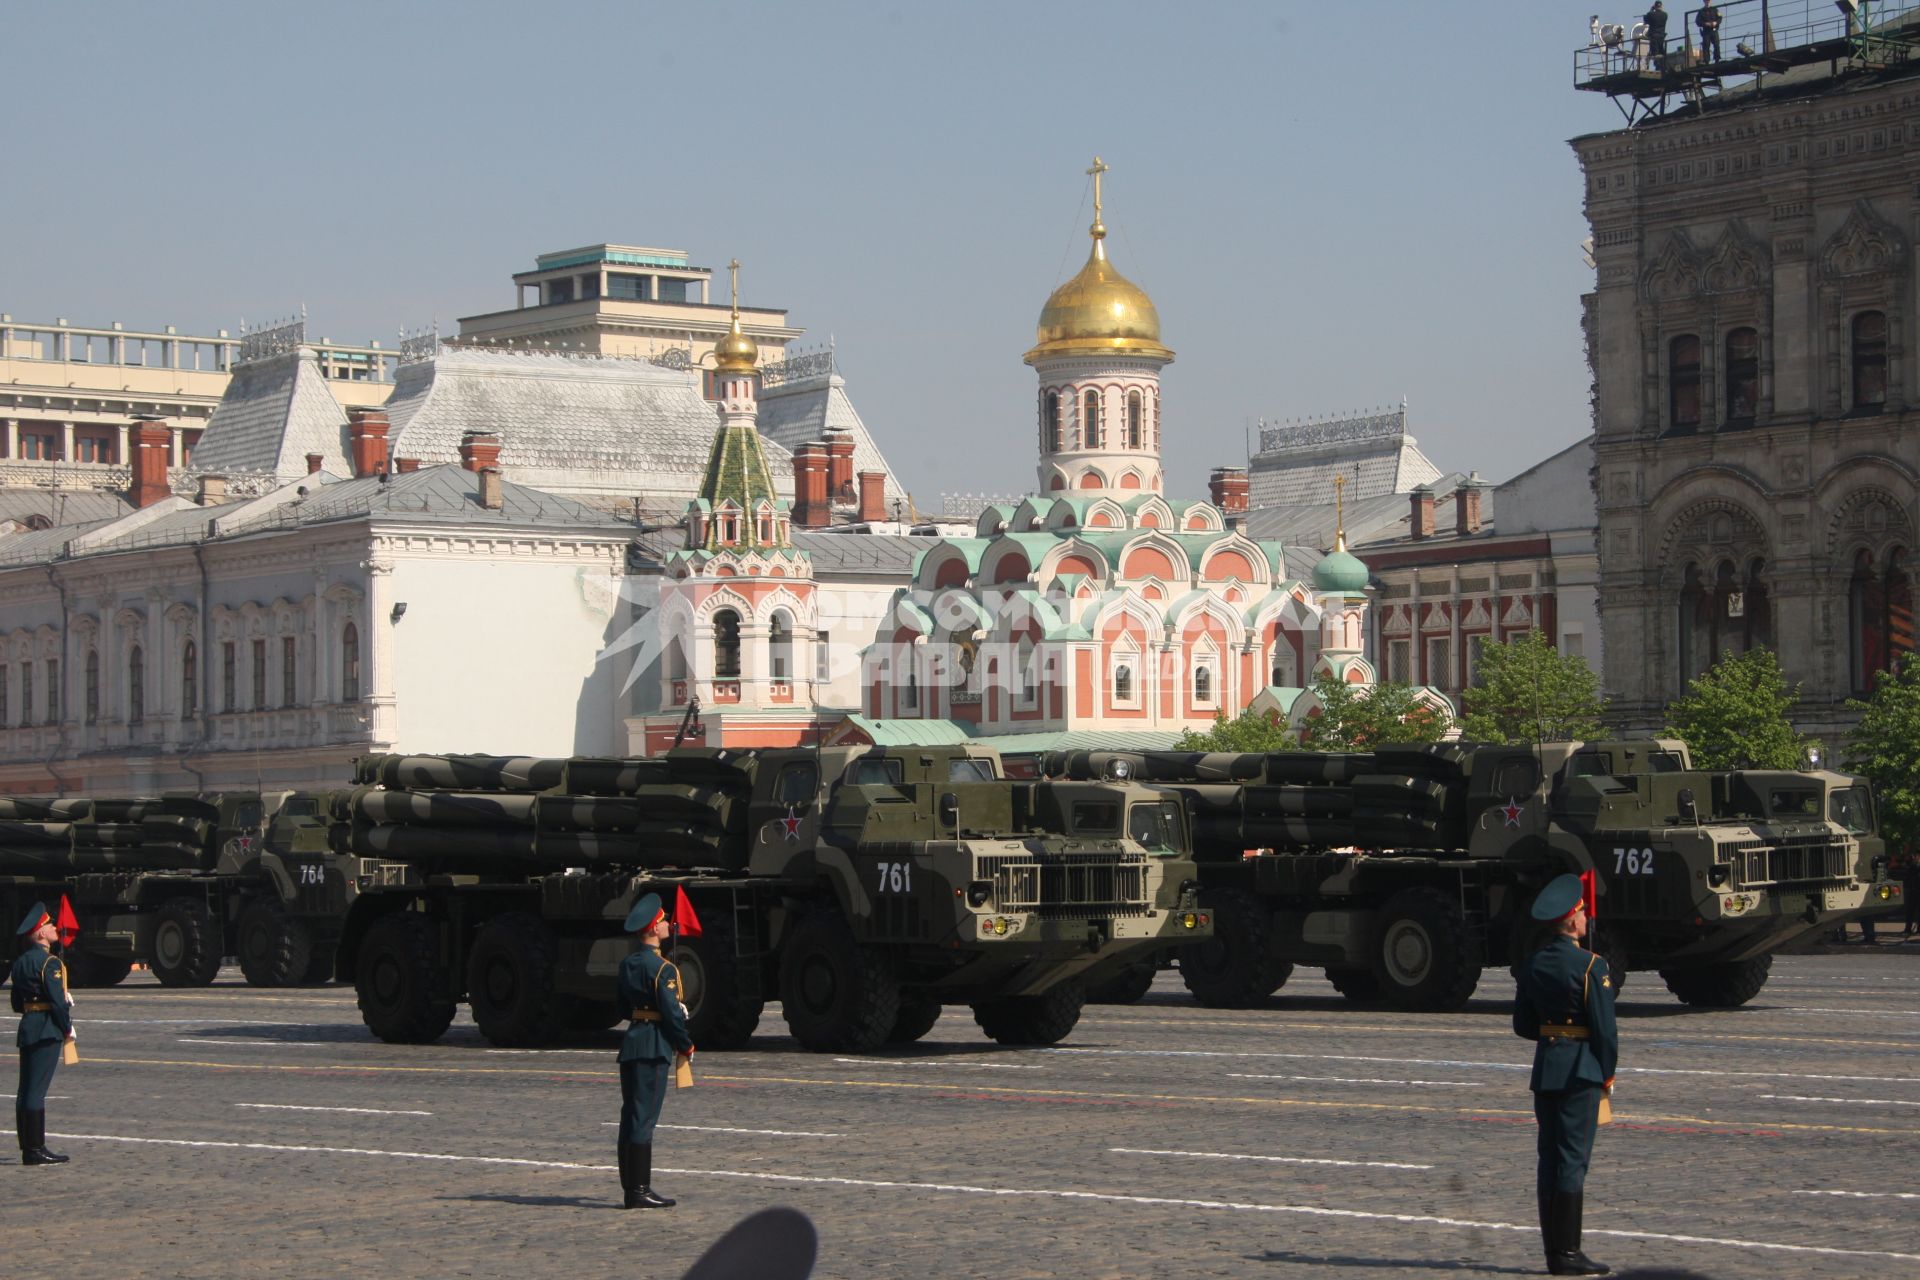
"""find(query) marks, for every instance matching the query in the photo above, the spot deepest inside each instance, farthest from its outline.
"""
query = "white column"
(376, 657)
(13, 437)
(121, 456)
(66, 442)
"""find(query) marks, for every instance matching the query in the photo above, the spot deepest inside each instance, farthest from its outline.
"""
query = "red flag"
(684, 920)
(1590, 892)
(66, 922)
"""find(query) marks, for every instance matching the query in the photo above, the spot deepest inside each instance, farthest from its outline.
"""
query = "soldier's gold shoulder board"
(1606, 982)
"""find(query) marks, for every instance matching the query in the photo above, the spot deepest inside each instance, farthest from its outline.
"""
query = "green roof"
(1340, 571)
(737, 472)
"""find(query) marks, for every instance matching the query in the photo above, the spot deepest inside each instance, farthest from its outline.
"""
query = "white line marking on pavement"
(547, 1053)
(187, 1022)
(1222, 1155)
(1865, 1195)
(267, 1044)
(1467, 1062)
(1865, 1102)
(358, 1111)
(1038, 1193)
(713, 1128)
(1450, 1084)
(938, 1062)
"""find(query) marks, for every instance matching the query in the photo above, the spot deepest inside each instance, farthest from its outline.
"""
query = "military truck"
(1404, 872)
(865, 888)
(181, 881)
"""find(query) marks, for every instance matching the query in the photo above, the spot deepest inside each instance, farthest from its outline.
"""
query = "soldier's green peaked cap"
(1558, 899)
(36, 916)
(644, 913)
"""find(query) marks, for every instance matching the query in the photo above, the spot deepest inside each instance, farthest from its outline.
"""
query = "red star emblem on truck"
(791, 824)
(1511, 812)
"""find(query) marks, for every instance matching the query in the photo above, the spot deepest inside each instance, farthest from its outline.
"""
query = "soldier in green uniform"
(650, 990)
(40, 998)
(1565, 1006)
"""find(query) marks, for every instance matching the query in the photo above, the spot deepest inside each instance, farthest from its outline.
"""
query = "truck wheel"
(85, 970)
(401, 984)
(1424, 957)
(837, 996)
(186, 944)
(594, 1015)
(1718, 986)
(916, 1017)
(1359, 986)
(1235, 968)
(1126, 986)
(275, 949)
(1032, 1020)
(320, 966)
(723, 1004)
(510, 982)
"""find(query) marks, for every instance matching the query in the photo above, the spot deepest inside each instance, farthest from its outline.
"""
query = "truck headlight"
(979, 892)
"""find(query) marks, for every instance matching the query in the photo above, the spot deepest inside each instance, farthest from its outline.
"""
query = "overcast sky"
(1333, 205)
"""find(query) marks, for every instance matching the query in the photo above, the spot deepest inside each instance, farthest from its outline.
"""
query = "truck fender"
(364, 911)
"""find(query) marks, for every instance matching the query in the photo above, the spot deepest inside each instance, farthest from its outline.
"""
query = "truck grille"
(1069, 884)
(1795, 860)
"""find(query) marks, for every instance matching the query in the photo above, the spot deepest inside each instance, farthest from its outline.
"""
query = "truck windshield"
(1852, 808)
(969, 770)
(1155, 826)
(1096, 818)
(1783, 803)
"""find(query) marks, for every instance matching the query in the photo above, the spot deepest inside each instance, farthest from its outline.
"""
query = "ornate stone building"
(1757, 467)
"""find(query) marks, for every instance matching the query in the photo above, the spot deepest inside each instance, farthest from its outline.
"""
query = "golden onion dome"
(1097, 311)
(735, 353)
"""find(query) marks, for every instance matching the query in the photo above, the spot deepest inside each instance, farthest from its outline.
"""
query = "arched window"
(1729, 613)
(766, 525)
(1052, 424)
(1743, 376)
(1683, 383)
(1029, 679)
(726, 645)
(1090, 418)
(136, 685)
(26, 692)
(1203, 684)
(676, 660)
(1880, 617)
(1870, 360)
(53, 691)
(1135, 433)
(1123, 683)
(1696, 626)
(1756, 609)
(93, 685)
(780, 648)
(230, 674)
(189, 681)
(349, 664)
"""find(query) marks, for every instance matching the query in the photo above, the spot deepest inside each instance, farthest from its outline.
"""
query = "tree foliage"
(1357, 717)
(1885, 749)
(1529, 692)
(1252, 731)
(1735, 715)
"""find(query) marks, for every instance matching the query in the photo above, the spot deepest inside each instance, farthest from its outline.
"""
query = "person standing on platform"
(46, 1022)
(1708, 20)
(1564, 1004)
(1656, 20)
(649, 987)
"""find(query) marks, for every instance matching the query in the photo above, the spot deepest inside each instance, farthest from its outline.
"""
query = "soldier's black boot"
(1563, 1240)
(629, 1188)
(36, 1130)
(643, 1176)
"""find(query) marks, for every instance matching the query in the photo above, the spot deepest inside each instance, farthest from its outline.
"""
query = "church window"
(53, 691)
(229, 665)
(1743, 376)
(822, 658)
(289, 671)
(676, 660)
(93, 685)
(189, 681)
(780, 648)
(258, 652)
(766, 525)
(726, 645)
(1029, 680)
(1722, 610)
(1052, 423)
(1870, 361)
(1683, 383)
(1135, 434)
(1880, 617)
(1400, 661)
(1123, 683)
(1475, 646)
(349, 664)
(136, 685)
(26, 692)
(1440, 662)
(1203, 685)
(910, 691)
(1090, 417)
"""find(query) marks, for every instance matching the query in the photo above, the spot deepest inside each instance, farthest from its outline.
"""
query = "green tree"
(1356, 717)
(1249, 731)
(1885, 749)
(1735, 715)
(1528, 692)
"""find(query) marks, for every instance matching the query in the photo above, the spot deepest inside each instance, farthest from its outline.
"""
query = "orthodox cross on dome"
(1339, 513)
(1099, 167)
(733, 270)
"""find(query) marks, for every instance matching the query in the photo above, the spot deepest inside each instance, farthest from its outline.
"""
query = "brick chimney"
(480, 450)
(1423, 525)
(149, 439)
(1467, 505)
(367, 441)
(492, 491)
(404, 465)
(1228, 488)
(213, 490)
(313, 463)
(839, 467)
(873, 497)
(811, 509)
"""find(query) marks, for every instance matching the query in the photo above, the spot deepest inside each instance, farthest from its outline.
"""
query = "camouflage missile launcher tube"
(864, 888)
(1406, 871)
(180, 882)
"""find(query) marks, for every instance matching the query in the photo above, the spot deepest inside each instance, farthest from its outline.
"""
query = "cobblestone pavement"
(233, 1131)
